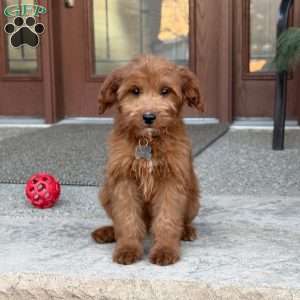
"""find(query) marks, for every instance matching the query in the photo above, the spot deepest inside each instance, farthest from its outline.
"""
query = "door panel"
(262, 19)
(81, 45)
(20, 74)
(112, 33)
(122, 30)
(254, 51)
(23, 60)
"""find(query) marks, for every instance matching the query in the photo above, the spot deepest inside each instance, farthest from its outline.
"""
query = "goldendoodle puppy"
(150, 183)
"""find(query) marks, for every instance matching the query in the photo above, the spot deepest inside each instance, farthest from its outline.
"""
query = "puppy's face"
(149, 93)
(150, 99)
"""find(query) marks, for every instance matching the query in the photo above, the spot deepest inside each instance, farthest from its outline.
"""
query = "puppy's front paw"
(127, 254)
(104, 234)
(164, 255)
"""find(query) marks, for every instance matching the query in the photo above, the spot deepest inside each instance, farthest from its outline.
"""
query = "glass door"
(20, 68)
(84, 41)
(254, 50)
(113, 33)
(124, 29)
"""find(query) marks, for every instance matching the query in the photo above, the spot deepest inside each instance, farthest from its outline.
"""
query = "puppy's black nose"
(149, 117)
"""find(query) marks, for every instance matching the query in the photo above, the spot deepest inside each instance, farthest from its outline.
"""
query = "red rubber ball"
(42, 190)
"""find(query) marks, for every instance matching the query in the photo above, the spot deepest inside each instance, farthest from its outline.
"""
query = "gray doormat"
(75, 154)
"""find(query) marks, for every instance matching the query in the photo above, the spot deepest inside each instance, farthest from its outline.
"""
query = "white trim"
(22, 122)
(81, 120)
(189, 121)
(233, 128)
(238, 124)
(25, 125)
(260, 124)
(37, 122)
(199, 121)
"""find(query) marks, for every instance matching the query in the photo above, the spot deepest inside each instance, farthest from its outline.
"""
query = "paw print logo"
(24, 32)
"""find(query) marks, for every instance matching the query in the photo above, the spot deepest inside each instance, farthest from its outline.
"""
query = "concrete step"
(44, 287)
(248, 248)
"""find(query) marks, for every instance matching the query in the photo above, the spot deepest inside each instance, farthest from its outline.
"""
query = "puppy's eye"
(135, 91)
(165, 91)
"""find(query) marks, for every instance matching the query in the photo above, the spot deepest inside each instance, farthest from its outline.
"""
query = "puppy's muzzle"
(149, 117)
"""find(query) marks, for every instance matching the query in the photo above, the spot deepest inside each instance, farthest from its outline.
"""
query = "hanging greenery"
(288, 50)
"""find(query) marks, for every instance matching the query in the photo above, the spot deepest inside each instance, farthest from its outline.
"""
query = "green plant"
(288, 50)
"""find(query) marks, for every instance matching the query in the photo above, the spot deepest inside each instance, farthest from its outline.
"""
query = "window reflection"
(22, 60)
(263, 19)
(124, 29)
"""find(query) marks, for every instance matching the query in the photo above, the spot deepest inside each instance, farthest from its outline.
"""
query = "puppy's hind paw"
(189, 233)
(104, 235)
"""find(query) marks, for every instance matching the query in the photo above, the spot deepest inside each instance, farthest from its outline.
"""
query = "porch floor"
(248, 245)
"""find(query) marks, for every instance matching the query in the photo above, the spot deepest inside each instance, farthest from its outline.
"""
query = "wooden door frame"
(49, 70)
(222, 29)
(297, 72)
(4, 54)
(225, 102)
(214, 40)
(90, 40)
(218, 49)
(211, 40)
(52, 67)
(257, 86)
(22, 81)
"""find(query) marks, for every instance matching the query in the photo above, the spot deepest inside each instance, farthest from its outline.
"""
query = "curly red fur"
(159, 195)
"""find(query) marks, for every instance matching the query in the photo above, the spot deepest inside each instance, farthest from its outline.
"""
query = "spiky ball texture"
(42, 190)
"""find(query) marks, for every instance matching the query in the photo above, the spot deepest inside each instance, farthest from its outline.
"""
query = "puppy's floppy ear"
(107, 95)
(190, 88)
